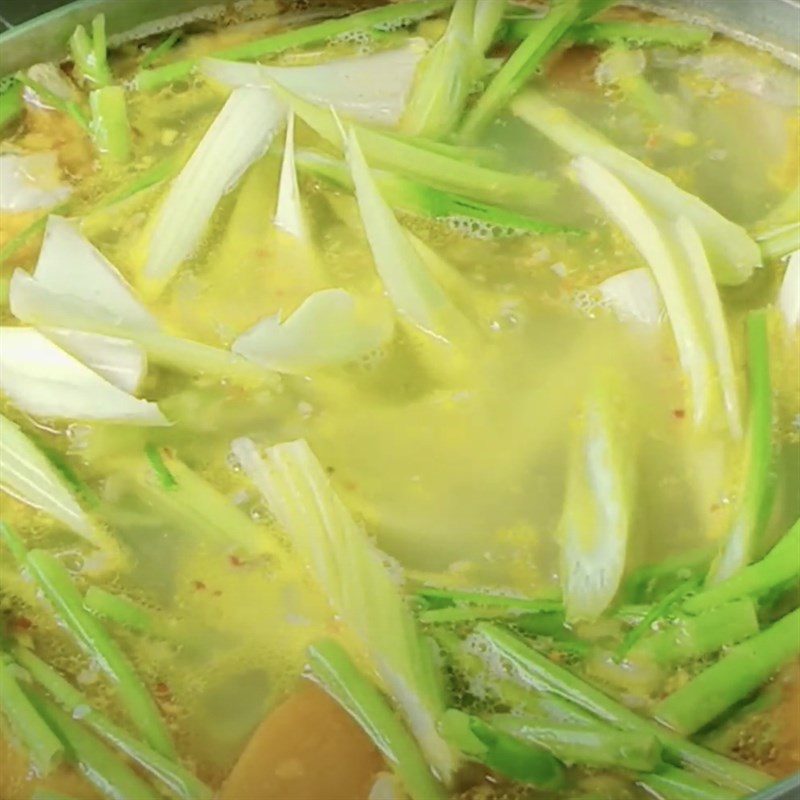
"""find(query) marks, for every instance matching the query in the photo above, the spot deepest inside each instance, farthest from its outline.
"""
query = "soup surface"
(401, 403)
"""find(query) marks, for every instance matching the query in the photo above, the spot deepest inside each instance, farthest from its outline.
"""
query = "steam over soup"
(400, 403)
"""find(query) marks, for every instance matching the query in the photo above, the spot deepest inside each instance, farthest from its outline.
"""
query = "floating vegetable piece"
(412, 289)
(27, 474)
(371, 88)
(119, 361)
(357, 581)
(110, 127)
(634, 297)
(446, 76)
(732, 253)
(42, 379)
(754, 506)
(691, 299)
(289, 216)
(595, 522)
(330, 327)
(241, 133)
(30, 182)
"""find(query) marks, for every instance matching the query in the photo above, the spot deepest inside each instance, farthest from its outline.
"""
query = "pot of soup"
(400, 401)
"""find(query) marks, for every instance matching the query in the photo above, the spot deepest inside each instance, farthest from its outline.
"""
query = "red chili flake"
(161, 689)
(21, 624)
(679, 413)
(199, 585)
(236, 561)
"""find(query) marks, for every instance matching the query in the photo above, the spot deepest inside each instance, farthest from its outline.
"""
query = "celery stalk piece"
(789, 295)
(539, 672)
(58, 588)
(445, 77)
(394, 14)
(694, 637)
(42, 745)
(416, 198)
(11, 105)
(110, 127)
(43, 380)
(596, 516)
(754, 507)
(120, 361)
(433, 595)
(89, 52)
(289, 215)
(731, 251)
(331, 327)
(412, 289)
(633, 296)
(738, 673)
(603, 748)
(779, 566)
(240, 135)
(359, 587)
(523, 62)
(670, 783)
(692, 302)
(425, 161)
(486, 23)
(176, 778)
(372, 88)
(521, 761)
(780, 242)
(27, 474)
(334, 670)
(100, 765)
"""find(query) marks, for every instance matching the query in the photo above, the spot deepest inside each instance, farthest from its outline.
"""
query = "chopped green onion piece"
(523, 62)
(780, 242)
(158, 52)
(100, 765)
(417, 198)
(540, 673)
(779, 566)
(596, 517)
(42, 745)
(757, 491)
(604, 748)
(110, 127)
(522, 761)
(89, 52)
(119, 609)
(738, 673)
(423, 161)
(732, 252)
(180, 781)
(694, 637)
(445, 76)
(165, 477)
(56, 584)
(392, 14)
(339, 676)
